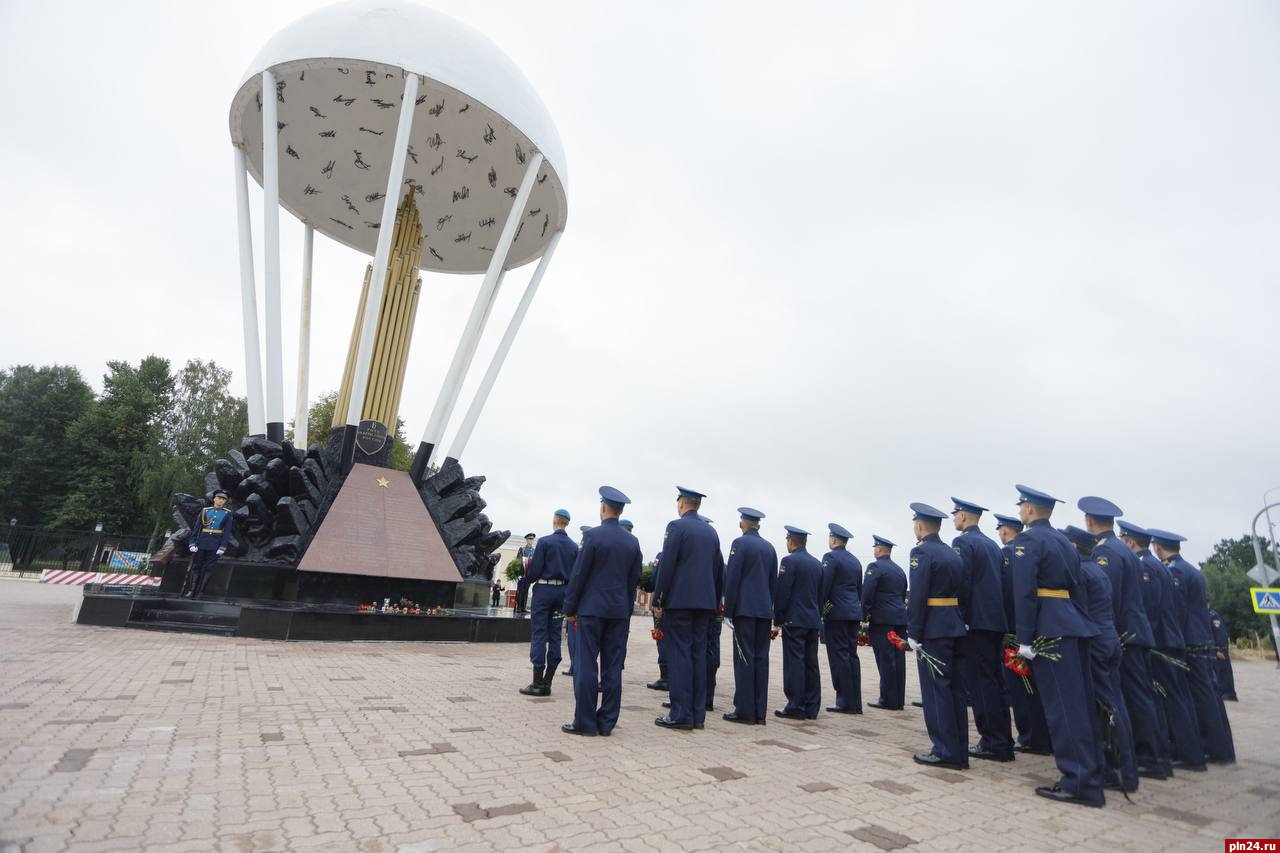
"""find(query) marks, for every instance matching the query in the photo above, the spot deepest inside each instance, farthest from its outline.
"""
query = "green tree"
(114, 442)
(1228, 586)
(37, 466)
(320, 421)
(205, 422)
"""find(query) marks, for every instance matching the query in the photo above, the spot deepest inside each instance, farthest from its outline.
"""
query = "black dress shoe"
(668, 723)
(660, 684)
(928, 759)
(833, 709)
(990, 754)
(699, 726)
(1017, 747)
(732, 717)
(915, 704)
(762, 722)
(569, 729)
(710, 707)
(666, 704)
(879, 705)
(568, 673)
(1195, 768)
(1152, 774)
(788, 715)
(603, 733)
(1058, 795)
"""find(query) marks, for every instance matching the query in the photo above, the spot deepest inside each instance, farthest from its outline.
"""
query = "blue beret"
(1128, 528)
(1008, 521)
(880, 540)
(1165, 538)
(564, 513)
(1098, 507)
(1035, 496)
(1079, 537)
(613, 497)
(746, 513)
(924, 512)
(690, 493)
(795, 531)
(626, 522)
(967, 506)
(839, 532)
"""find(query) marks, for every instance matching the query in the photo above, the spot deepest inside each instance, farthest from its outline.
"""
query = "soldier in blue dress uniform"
(1223, 674)
(796, 612)
(1028, 713)
(1105, 652)
(548, 574)
(982, 608)
(601, 590)
(750, 576)
(1046, 571)
(1215, 729)
(934, 625)
(1128, 592)
(884, 597)
(1169, 679)
(525, 555)
(686, 597)
(841, 599)
(213, 531)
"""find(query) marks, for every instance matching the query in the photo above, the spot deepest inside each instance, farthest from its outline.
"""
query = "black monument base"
(280, 603)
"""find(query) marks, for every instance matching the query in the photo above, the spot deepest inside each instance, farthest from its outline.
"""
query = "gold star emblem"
(384, 482)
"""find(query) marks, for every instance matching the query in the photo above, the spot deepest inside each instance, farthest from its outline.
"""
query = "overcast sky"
(822, 259)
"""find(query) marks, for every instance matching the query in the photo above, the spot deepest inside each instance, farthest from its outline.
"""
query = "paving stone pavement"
(114, 739)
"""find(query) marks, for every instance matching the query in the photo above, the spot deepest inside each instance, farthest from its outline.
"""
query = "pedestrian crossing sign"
(1265, 600)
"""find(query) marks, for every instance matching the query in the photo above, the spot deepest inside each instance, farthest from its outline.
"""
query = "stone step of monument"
(186, 628)
(186, 614)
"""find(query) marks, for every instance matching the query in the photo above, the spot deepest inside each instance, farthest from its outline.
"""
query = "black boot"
(661, 683)
(538, 687)
(188, 585)
(546, 680)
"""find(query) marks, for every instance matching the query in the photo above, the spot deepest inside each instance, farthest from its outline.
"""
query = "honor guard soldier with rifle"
(213, 530)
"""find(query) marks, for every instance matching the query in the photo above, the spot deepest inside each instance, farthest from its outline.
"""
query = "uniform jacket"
(750, 577)
(936, 573)
(981, 594)
(884, 593)
(1167, 628)
(1006, 582)
(214, 528)
(605, 575)
(841, 586)
(1221, 637)
(1125, 573)
(795, 601)
(553, 558)
(1095, 596)
(1196, 630)
(691, 563)
(1044, 558)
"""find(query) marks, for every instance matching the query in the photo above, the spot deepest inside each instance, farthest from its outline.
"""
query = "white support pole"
(249, 302)
(495, 366)
(271, 256)
(377, 280)
(471, 333)
(304, 342)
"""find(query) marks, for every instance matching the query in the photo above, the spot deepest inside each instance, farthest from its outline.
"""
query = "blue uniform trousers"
(801, 678)
(751, 667)
(714, 627)
(981, 666)
(1109, 690)
(1175, 695)
(1225, 676)
(892, 664)
(1028, 713)
(1139, 698)
(945, 716)
(1066, 693)
(202, 565)
(545, 626)
(686, 634)
(842, 659)
(1215, 730)
(602, 649)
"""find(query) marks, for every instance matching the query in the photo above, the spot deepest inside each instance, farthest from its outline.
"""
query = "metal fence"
(30, 550)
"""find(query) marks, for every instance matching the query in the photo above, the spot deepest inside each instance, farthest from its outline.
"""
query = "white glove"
(915, 644)
(1027, 652)
(193, 549)
(221, 551)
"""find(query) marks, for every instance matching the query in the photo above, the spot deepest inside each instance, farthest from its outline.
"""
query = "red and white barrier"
(69, 578)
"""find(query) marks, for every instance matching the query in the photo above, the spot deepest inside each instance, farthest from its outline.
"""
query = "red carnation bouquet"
(935, 665)
(656, 631)
(863, 639)
(1019, 666)
(773, 635)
